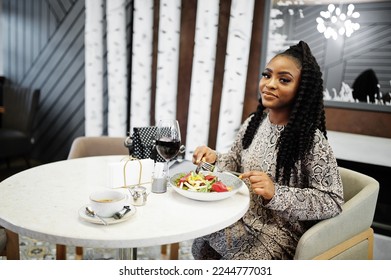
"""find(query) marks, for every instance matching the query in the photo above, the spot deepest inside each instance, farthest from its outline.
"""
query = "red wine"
(167, 149)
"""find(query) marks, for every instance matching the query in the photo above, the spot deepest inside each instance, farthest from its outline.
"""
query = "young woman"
(285, 159)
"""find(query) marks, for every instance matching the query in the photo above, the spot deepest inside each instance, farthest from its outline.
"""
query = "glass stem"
(166, 169)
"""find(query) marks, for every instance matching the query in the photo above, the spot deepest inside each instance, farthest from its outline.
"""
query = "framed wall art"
(351, 40)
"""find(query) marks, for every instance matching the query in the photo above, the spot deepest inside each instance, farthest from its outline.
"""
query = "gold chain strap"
(128, 159)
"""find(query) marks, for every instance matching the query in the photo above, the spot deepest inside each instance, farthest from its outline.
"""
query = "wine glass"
(168, 141)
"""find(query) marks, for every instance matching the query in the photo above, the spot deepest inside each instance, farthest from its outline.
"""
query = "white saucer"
(110, 221)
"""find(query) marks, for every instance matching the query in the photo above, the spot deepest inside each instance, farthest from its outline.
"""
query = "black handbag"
(144, 143)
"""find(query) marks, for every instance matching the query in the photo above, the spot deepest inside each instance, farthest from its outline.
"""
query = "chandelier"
(335, 21)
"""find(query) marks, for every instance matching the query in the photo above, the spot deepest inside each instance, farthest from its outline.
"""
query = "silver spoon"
(92, 213)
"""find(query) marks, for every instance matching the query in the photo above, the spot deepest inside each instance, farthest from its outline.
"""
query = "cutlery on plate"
(121, 213)
(92, 213)
(203, 165)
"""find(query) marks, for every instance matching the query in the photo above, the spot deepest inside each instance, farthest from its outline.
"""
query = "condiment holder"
(139, 195)
(159, 181)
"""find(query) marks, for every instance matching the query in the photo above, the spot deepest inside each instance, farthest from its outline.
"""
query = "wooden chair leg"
(371, 241)
(79, 253)
(163, 249)
(61, 252)
(174, 251)
(12, 245)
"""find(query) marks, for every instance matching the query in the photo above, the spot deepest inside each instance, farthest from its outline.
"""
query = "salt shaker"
(139, 195)
(159, 183)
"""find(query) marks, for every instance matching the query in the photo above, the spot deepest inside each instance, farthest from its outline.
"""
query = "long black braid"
(307, 114)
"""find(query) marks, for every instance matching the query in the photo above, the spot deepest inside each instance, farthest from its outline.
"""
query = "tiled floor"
(36, 250)
(31, 249)
(382, 247)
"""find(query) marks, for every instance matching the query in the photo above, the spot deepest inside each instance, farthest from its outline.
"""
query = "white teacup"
(107, 203)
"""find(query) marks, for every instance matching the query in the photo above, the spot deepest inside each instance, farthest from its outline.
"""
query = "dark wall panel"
(45, 50)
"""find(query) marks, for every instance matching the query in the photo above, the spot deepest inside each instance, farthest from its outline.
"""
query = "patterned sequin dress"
(272, 230)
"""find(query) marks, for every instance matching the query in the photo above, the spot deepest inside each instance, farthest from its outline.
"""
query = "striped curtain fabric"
(197, 62)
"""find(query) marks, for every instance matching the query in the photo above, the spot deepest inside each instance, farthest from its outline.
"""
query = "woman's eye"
(265, 75)
(284, 80)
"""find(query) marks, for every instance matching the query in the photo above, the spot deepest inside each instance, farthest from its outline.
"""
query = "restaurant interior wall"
(43, 43)
(50, 56)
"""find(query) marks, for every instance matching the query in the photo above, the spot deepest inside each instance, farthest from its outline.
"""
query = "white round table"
(43, 203)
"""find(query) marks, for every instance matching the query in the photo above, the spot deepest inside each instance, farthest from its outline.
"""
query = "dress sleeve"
(231, 161)
(316, 191)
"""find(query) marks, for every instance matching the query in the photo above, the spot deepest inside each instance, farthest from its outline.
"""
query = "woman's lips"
(269, 94)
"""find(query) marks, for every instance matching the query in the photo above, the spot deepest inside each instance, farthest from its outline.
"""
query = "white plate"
(226, 178)
(110, 221)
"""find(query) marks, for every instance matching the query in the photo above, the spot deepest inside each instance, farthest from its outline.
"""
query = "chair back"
(86, 146)
(20, 108)
(348, 235)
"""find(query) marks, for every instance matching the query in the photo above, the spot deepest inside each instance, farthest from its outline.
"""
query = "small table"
(43, 203)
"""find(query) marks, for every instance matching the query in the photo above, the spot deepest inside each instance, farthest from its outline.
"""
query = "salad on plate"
(200, 182)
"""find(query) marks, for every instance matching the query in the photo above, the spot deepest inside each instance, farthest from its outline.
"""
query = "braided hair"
(307, 114)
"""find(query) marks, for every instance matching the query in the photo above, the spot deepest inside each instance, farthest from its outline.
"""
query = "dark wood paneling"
(221, 49)
(156, 13)
(253, 70)
(186, 51)
(359, 122)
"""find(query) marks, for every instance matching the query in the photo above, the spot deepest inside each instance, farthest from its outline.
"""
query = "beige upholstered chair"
(99, 146)
(348, 235)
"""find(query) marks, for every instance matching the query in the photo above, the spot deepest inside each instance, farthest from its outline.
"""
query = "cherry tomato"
(219, 187)
(183, 179)
(209, 177)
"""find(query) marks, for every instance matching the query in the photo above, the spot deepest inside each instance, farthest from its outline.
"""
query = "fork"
(203, 165)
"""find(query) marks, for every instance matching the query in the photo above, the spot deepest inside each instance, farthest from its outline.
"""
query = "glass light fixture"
(335, 21)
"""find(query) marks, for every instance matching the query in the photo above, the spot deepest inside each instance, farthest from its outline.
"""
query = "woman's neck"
(279, 117)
